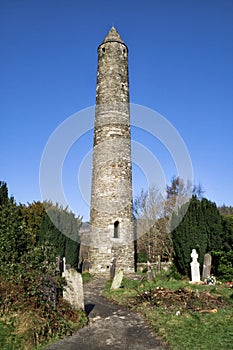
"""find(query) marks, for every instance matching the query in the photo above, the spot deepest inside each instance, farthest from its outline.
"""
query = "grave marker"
(206, 266)
(73, 292)
(195, 269)
(85, 266)
(112, 268)
(116, 283)
(150, 272)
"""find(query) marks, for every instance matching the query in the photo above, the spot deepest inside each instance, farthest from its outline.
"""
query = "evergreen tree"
(60, 227)
(32, 215)
(227, 234)
(49, 233)
(213, 225)
(72, 252)
(13, 240)
(200, 229)
(3, 193)
(18, 251)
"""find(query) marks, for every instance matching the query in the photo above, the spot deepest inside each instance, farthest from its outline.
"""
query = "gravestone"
(150, 273)
(73, 291)
(64, 264)
(195, 269)
(116, 283)
(85, 266)
(159, 264)
(59, 263)
(112, 268)
(206, 266)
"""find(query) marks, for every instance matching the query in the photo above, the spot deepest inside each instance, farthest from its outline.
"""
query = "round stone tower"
(111, 218)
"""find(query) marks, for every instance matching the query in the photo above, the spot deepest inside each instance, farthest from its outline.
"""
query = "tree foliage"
(32, 215)
(3, 193)
(18, 249)
(201, 229)
(172, 225)
(14, 241)
(152, 225)
(153, 212)
(28, 235)
(60, 227)
(227, 233)
(29, 287)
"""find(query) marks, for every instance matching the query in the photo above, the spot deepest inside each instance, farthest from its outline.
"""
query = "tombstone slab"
(159, 264)
(150, 272)
(113, 268)
(116, 283)
(85, 266)
(73, 291)
(206, 266)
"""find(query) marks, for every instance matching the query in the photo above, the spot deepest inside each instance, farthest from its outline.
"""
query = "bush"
(223, 265)
(173, 273)
(31, 307)
(142, 257)
(28, 302)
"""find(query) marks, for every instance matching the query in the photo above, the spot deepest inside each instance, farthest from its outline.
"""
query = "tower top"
(113, 35)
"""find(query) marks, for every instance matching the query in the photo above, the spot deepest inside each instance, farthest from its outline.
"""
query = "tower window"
(116, 229)
(103, 49)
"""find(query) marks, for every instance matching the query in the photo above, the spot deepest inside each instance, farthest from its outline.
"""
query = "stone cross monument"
(111, 215)
(195, 269)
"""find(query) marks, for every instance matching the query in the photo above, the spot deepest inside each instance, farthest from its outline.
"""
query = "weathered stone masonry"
(111, 198)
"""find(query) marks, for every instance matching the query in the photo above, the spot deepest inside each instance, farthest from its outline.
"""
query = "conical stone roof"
(113, 35)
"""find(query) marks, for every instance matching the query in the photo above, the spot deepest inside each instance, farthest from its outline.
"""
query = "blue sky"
(180, 65)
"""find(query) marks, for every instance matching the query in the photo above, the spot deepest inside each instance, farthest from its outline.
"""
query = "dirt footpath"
(111, 327)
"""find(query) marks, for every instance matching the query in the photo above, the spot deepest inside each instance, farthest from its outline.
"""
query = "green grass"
(86, 277)
(194, 329)
(206, 331)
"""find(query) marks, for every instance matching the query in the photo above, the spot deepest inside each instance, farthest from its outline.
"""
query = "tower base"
(102, 259)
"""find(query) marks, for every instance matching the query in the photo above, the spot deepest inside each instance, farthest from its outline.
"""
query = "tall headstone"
(195, 267)
(111, 215)
(116, 283)
(73, 291)
(150, 272)
(206, 266)
(85, 266)
(113, 268)
(159, 264)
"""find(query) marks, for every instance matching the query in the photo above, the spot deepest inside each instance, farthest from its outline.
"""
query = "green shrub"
(173, 273)
(142, 257)
(223, 265)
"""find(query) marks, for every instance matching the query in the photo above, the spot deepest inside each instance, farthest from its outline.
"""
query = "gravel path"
(111, 327)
